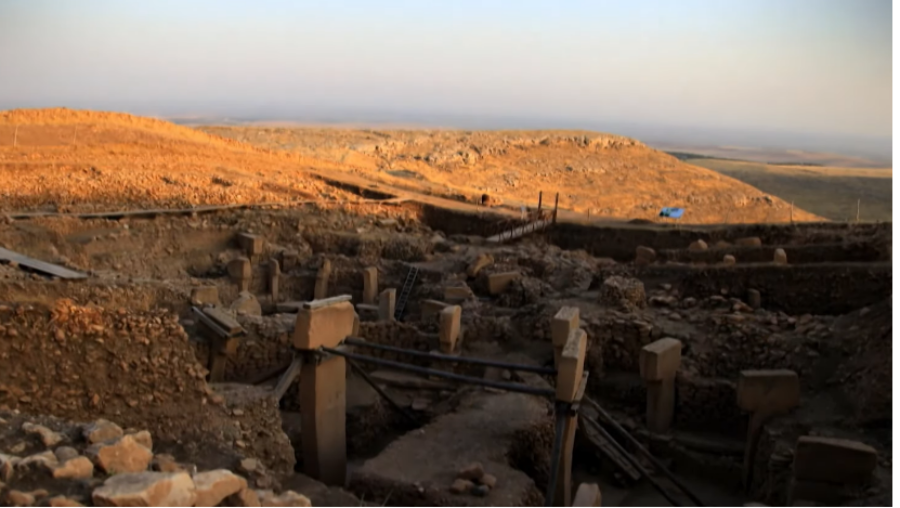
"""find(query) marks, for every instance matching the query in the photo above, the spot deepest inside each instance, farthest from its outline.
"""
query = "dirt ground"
(124, 345)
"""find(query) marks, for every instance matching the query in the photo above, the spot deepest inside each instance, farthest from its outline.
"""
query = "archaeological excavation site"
(374, 347)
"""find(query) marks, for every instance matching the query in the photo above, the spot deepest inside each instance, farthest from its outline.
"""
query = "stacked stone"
(82, 362)
(266, 346)
(623, 293)
(621, 337)
(708, 405)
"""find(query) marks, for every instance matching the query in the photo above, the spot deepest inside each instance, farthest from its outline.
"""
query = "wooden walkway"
(519, 232)
(40, 266)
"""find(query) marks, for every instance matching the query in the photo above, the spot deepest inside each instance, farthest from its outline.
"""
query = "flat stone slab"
(481, 430)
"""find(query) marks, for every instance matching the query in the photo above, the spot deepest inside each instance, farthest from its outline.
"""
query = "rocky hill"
(610, 176)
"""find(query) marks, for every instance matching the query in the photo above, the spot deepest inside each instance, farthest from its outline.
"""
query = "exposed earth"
(105, 391)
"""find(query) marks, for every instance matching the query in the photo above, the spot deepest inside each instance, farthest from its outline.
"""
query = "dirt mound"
(66, 160)
(608, 175)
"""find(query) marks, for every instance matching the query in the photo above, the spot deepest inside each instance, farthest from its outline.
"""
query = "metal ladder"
(405, 292)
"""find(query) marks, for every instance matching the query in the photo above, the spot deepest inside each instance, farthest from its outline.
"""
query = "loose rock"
(461, 486)
(146, 489)
(214, 486)
(101, 430)
(48, 437)
(472, 472)
(124, 455)
(77, 468)
(287, 498)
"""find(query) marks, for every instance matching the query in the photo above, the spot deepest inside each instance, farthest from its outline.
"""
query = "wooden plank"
(606, 449)
(224, 320)
(41, 266)
(287, 378)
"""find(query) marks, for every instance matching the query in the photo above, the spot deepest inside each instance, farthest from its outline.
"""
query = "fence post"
(792, 212)
(857, 210)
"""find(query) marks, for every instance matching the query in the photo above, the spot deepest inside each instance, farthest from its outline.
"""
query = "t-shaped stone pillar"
(370, 285)
(241, 272)
(570, 373)
(323, 396)
(387, 301)
(252, 244)
(321, 291)
(449, 333)
(764, 394)
(561, 326)
(659, 364)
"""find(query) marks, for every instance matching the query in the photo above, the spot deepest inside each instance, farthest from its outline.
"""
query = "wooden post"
(555, 208)
(792, 212)
(569, 380)
(540, 201)
(857, 210)
(323, 390)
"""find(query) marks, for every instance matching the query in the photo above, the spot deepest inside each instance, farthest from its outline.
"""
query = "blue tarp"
(672, 213)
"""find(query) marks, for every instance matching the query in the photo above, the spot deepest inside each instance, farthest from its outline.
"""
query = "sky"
(813, 69)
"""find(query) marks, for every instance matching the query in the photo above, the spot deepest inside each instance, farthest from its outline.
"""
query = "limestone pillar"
(323, 406)
(659, 365)
(321, 291)
(568, 383)
(252, 244)
(386, 303)
(370, 285)
(566, 320)
(449, 332)
(241, 272)
(588, 494)
(764, 394)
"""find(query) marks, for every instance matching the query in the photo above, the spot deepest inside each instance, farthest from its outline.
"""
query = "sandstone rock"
(45, 460)
(250, 466)
(246, 305)
(7, 465)
(146, 489)
(100, 431)
(246, 497)
(461, 486)
(780, 257)
(287, 498)
(165, 463)
(77, 468)
(19, 498)
(721, 244)
(472, 472)
(753, 241)
(214, 486)
(489, 480)
(63, 501)
(698, 245)
(64, 453)
(144, 439)
(124, 455)
(48, 437)
(728, 260)
(644, 256)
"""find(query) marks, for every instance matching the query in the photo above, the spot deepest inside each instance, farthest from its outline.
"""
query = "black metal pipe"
(653, 460)
(353, 341)
(615, 444)
(368, 379)
(512, 387)
(556, 454)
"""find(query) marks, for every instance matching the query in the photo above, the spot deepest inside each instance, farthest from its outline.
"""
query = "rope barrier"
(512, 387)
(449, 358)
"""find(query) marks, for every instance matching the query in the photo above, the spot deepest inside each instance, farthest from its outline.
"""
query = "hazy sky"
(803, 66)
